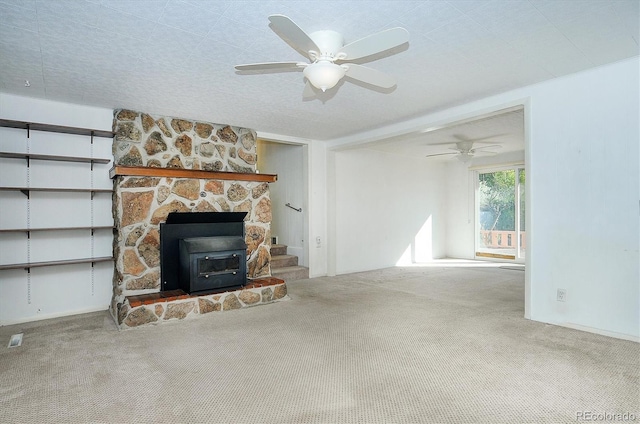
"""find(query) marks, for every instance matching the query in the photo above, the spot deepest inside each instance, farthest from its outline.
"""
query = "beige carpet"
(406, 345)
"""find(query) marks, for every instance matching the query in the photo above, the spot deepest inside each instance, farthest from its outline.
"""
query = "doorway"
(288, 205)
(500, 214)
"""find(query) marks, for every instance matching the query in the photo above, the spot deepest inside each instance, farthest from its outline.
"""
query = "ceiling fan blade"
(497, 146)
(269, 66)
(293, 34)
(308, 91)
(440, 154)
(370, 76)
(375, 43)
(441, 144)
(480, 140)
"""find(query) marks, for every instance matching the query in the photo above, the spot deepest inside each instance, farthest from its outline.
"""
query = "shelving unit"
(26, 190)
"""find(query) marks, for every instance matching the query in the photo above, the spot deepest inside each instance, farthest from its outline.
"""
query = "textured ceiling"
(177, 57)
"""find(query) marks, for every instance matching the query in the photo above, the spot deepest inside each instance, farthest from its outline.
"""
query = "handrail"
(295, 209)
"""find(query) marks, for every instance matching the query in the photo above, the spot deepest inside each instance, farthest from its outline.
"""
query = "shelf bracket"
(25, 192)
(28, 130)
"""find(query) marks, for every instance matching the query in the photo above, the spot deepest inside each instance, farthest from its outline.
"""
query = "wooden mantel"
(143, 171)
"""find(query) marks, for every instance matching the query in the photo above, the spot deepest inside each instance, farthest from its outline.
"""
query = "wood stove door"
(210, 271)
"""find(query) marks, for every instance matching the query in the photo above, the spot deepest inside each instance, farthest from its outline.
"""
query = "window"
(500, 211)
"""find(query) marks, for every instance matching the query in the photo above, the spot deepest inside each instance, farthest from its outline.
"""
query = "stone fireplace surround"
(163, 165)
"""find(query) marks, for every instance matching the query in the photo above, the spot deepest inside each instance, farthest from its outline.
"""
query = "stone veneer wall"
(161, 142)
(140, 204)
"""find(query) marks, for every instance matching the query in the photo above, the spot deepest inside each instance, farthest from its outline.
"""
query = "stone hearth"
(176, 304)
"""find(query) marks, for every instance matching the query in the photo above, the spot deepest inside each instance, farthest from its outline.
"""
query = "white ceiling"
(177, 57)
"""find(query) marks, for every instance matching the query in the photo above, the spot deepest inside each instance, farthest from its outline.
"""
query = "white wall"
(59, 290)
(389, 210)
(583, 172)
(317, 204)
(28, 109)
(460, 211)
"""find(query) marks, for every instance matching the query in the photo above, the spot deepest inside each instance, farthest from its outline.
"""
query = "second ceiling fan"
(329, 55)
(464, 149)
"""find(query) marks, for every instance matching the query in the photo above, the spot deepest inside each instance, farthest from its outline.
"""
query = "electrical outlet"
(561, 295)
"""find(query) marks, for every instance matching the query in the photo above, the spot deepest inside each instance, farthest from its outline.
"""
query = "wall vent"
(16, 340)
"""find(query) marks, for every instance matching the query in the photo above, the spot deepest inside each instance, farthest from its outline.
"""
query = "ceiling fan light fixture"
(465, 157)
(324, 74)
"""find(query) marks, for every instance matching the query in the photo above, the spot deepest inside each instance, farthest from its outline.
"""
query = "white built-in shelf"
(28, 265)
(34, 126)
(36, 156)
(26, 190)
(27, 230)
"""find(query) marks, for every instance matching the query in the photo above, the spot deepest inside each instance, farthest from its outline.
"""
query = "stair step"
(291, 273)
(281, 261)
(278, 249)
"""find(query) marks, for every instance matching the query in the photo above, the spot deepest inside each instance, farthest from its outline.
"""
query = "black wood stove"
(203, 252)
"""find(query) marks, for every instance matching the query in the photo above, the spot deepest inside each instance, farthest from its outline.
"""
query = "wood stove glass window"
(209, 265)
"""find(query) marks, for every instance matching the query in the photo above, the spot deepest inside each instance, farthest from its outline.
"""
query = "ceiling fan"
(464, 149)
(328, 55)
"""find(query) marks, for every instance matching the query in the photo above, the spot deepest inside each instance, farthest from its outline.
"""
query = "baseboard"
(56, 315)
(599, 331)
